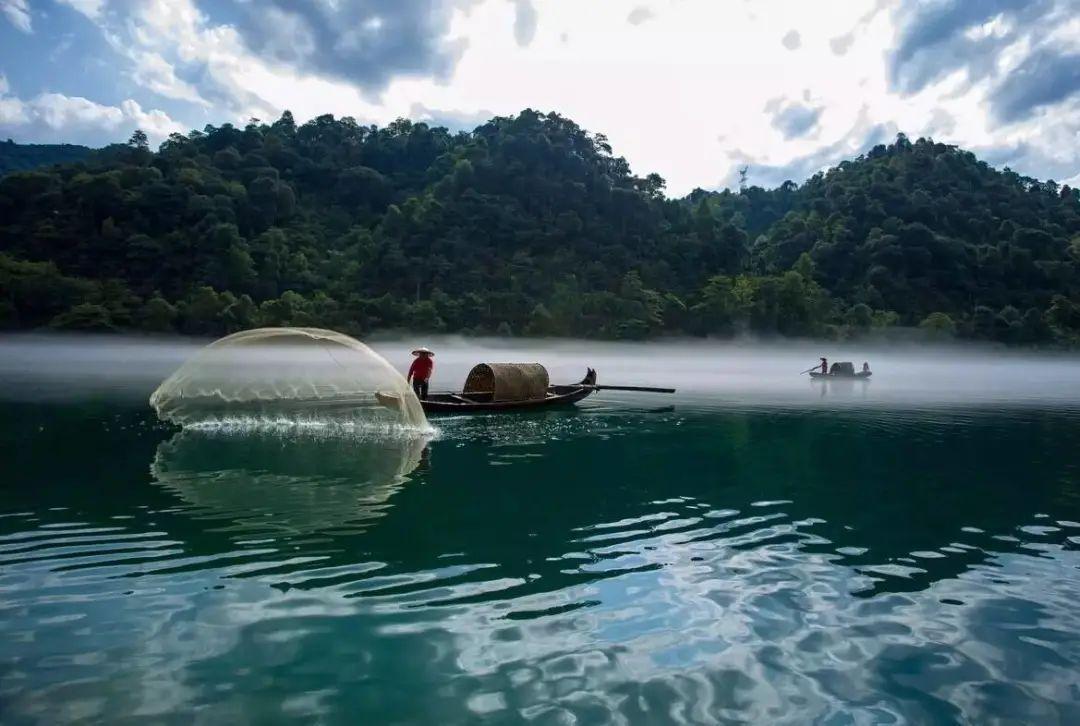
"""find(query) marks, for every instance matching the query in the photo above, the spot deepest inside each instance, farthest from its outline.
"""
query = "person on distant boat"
(420, 371)
(824, 367)
(866, 367)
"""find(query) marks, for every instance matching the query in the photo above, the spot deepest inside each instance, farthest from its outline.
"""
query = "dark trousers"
(420, 388)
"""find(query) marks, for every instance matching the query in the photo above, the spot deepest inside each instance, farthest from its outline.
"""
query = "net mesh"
(288, 374)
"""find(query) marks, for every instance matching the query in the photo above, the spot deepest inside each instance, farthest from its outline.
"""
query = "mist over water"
(59, 367)
(707, 374)
(715, 373)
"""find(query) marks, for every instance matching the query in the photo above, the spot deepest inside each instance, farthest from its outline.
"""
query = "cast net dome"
(287, 375)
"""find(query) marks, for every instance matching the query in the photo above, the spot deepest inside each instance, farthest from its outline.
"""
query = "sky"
(694, 90)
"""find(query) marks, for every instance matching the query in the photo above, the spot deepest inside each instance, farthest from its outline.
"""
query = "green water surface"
(614, 563)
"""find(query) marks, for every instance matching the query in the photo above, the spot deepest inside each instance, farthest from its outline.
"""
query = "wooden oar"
(809, 370)
(645, 389)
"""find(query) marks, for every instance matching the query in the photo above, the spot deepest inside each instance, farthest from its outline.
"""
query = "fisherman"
(866, 367)
(824, 367)
(420, 371)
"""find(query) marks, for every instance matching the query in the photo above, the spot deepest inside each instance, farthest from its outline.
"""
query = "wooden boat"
(842, 371)
(860, 376)
(509, 386)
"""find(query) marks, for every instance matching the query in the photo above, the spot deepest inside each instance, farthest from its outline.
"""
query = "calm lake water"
(756, 548)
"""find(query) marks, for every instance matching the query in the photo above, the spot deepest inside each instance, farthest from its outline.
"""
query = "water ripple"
(615, 570)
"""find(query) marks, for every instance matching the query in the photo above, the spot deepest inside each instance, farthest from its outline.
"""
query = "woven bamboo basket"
(508, 381)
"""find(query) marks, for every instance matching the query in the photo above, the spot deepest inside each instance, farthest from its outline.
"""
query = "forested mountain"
(527, 225)
(15, 157)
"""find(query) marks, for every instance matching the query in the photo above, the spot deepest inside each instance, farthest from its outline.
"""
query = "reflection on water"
(297, 483)
(841, 389)
(615, 563)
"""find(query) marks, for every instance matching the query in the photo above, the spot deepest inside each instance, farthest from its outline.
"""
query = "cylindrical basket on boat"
(508, 381)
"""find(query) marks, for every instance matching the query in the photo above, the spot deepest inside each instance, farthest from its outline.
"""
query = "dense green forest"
(528, 225)
(16, 157)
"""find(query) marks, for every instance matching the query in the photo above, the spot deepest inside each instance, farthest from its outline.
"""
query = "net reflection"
(267, 482)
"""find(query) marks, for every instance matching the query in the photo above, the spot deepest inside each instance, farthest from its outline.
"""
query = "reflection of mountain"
(288, 485)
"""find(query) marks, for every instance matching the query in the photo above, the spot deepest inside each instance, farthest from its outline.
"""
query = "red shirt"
(420, 369)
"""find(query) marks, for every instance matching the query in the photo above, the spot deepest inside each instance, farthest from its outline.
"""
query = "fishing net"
(288, 375)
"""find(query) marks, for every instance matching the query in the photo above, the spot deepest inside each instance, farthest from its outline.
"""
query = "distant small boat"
(509, 387)
(861, 375)
(842, 371)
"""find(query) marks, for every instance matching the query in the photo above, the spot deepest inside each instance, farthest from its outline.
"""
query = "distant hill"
(528, 225)
(15, 157)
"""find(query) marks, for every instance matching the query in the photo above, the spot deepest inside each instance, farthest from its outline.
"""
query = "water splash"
(307, 425)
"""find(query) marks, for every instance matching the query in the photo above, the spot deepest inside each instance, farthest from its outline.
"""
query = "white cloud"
(684, 94)
(153, 72)
(12, 113)
(17, 13)
(90, 8)
(54, 117)
(176, 30)
(12, 110)
(156, 123)
(63, 112)
(452, 119)
(663, 91)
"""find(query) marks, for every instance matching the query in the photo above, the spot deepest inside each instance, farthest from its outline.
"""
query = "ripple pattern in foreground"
(600, 566)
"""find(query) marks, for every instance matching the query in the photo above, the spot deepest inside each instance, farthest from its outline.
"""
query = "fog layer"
(706, 373)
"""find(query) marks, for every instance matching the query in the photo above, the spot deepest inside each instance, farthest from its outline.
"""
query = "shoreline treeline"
(528, 225)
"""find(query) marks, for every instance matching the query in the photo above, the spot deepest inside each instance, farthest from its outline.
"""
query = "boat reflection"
(286, 485)
(841, 387)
